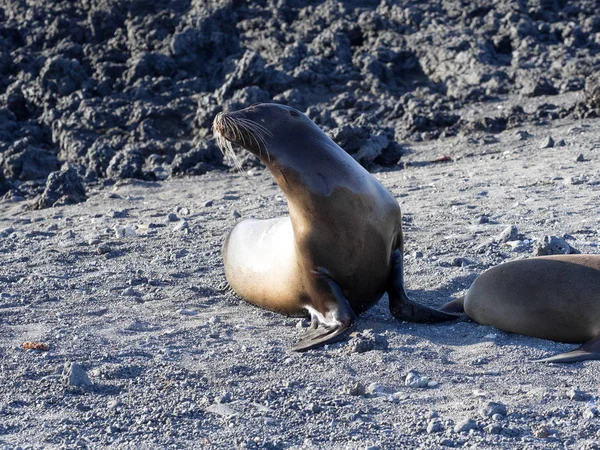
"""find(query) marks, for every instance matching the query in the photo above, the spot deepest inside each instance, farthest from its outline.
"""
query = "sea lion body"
(340, 248)
(548, 297)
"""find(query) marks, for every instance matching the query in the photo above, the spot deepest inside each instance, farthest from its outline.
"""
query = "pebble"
(74, 375)
(540, 431)
(553, 245)
(113, 404)
(130, 292)
(415, 380)
(367, 340)
(172, 217)
(590, 413)
(510, 233)
(182, 226)
(208, 203)
(493, 408)
(577, 395)
(465, 425)
(187, 312)
(124, 231)
(102, 249)
(236, 214)
(376, 389)
(493, 428)
(353, 389)
(226, 397)
(434, 426)
(580, 158)
(547, 143)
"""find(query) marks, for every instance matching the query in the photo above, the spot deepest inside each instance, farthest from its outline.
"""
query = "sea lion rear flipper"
(327, 327)
(402, 307)
(456, 306)
(588, 351)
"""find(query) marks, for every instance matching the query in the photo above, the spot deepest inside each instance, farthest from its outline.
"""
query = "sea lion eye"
(293, 113)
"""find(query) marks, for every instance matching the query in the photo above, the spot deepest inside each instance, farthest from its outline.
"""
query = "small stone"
(225, 397)
(580, 158)
(461, 262)
(560, 143)
(465, 425)
(547, 143)
(510, 233)
(172, 217)
(492, 408)
(208, 203)
(74, 375)
(553, 245)
(102, 249)
(590, 413)
(493, 428)
(130, 292)
(187, 312)
(353, 389)
(540, 431)
(415, 380)
(577, 395)
(498, 417)
(523, 135)
(113, 404)
(376, 389)
(365, 341)
(124, 231)
(434, 426)
(483, 219)
(182, 226)
(236, 214)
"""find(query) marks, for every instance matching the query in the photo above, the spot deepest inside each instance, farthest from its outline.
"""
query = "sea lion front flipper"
(327, 327)
(402, 307)
(588, 351)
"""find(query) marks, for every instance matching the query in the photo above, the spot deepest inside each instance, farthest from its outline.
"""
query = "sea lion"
(548, 297)
(339, 250)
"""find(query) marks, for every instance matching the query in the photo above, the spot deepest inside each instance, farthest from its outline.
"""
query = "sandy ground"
(177, 361)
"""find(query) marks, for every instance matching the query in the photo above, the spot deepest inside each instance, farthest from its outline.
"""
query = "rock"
(182, 226)
(553, 245)
(434, 426)
(580, 158)
(365, 341)
(74, 375)
(63, 187)
(547, 143)
(510, 233)
(187, 312)
(465, 425)
(172, 217)
(493, 408)
(353, 389)
(540, 431)
(415, 380)
(577, 395)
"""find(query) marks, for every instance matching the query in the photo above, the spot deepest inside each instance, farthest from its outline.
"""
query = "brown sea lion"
(340, 248)
(548, 297)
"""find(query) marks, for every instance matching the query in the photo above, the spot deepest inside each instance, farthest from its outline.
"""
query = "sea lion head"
(261, 129)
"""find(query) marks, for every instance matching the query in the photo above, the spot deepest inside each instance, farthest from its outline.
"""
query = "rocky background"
(128, 89)
(117, 329)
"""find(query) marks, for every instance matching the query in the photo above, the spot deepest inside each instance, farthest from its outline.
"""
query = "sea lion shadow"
(462, 332)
